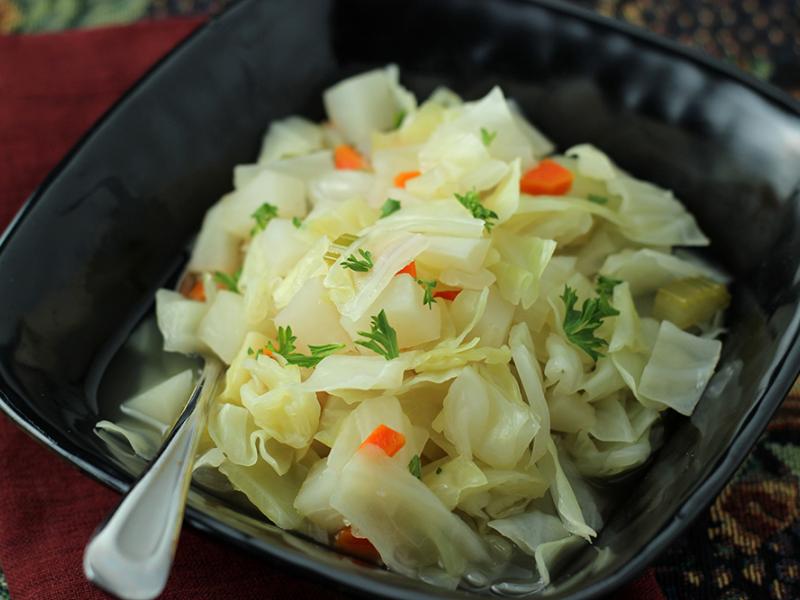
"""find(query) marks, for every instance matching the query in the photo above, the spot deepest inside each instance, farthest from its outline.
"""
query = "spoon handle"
(130, 555)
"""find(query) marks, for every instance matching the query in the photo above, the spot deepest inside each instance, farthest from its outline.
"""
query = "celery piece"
(687, 302)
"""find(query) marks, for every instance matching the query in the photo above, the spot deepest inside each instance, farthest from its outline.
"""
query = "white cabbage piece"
(679, 368)
(313, 500)
(569, 511)
(593, 458)
(570, 413)
(493, 326)
(441, 218)
(160, 405)
(646, 270)
(179, 321)
(540, 145)
(333, 219)
(523, 259)
(484, 419)
(404, 520)
(452, 478)
(626, 325)
(305, 168)
(592, 162)
(216, 249)
(504, 200)
(286, 193)
(540, 535)
(347, 372)
(448, 252)
(367, 102)
(466, 280)
(292, 136)
(334, 411)
(564, 368)
(311, 265)
(224, 326)
(603, 381)
(339, 186)
(618, 419)
(313, 317)
(653, 216)
(505, 493)
(414, 322)
(243, 443)
(530, 375)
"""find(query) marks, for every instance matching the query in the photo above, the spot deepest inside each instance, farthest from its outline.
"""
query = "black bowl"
(81, 262)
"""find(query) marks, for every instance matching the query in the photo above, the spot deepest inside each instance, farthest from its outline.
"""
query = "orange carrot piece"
(410, 268)
(447, 294)
(348, 543)
(548, 178)
(401, 178)
(347, 157)
(385, 438)
(198, 292)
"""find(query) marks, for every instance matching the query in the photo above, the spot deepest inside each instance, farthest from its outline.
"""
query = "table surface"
(747, 544)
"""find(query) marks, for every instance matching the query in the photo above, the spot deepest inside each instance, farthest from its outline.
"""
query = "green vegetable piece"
(597, 199)
(286, 348)
(472, 202)
(382, 339)
(438, 470)
(229, 282)
(399, 117)
(362, 265)
(691, 301)
(487, 136)
(580, 325)
(297, 222)
(390, 206)
(428, 287)
(415, 466)
(263, 215)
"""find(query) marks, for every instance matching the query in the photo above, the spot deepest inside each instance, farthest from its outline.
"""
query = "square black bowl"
(80, 264)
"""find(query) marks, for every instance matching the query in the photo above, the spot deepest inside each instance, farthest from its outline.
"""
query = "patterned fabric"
(747, 545)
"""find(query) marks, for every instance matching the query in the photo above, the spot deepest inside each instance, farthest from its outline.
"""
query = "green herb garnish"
(487, 136)
(428, 286)
(263, 215)
(229, 282)
(597, 199)
(362, 265)
(472, 202)
(390, 206)
(399, 117)
(580, 325)
(382, 339)
(286, 348)
(297, 222)
(438, 470)
(415, 466)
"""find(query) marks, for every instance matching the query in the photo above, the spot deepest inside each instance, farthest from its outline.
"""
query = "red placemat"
(52, 88)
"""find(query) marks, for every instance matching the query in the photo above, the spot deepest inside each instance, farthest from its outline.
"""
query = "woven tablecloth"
(747, 545)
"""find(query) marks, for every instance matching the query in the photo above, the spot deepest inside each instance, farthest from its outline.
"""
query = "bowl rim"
(763, 408)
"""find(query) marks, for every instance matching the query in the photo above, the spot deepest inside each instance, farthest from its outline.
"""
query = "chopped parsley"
(382, 338)
(438, 470)
(297, 222)
(263, 215)
(472, 202)
(428, 287)
(597, 199)
(415, 466)
(286, 348)
(580, 325)
(362, 265)
(390, 206)
(228, 282)
(399, 117)
(487, 136)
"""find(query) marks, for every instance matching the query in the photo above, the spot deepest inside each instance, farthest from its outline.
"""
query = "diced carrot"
(410, 268)
(447, 294)
(348, 543)
(198, 292)
(385, 438)
(548, 178)
(401, 178)
(347, 157)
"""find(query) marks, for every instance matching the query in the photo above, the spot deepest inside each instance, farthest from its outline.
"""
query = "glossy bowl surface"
(117, 213)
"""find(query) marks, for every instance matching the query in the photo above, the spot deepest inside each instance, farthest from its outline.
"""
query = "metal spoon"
(130, 555)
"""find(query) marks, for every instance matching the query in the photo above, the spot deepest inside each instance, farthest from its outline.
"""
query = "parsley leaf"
(580, 325)
(415, 466)
(263, 215)
(362, 265)
(472, 202)
(390, 206)
(286, 349)
(428, 286)
(297, 222)
(399, 117)
(438, 470)
(382, 339)
(606, 285)
(487, 136)
(597, 199)
(229, 282)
